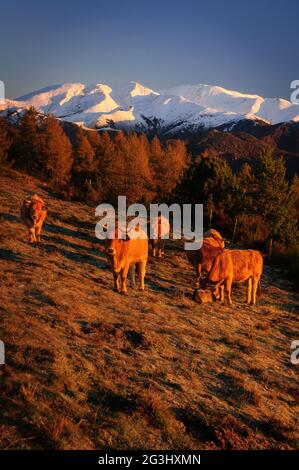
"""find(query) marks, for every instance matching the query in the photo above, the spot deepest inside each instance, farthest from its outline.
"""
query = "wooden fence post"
(235, 229)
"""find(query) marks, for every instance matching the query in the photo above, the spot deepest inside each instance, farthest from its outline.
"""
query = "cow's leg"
(154, 247)
(198, 275)
(249, 290)
(142, 267)
(216, 292)
(32, 238)
(228, 288)
(123, 276)
(219, 292)
(38, 232)
(161, 248)
(116, 282)
(222, 293)
(132, 272)
(254, 289)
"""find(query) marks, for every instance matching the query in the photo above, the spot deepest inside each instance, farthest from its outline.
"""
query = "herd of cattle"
(222, 267)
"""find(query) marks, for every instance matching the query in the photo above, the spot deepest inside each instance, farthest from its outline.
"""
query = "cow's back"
(137, 250)
(130, 251)
(246, 263)
(237, 265)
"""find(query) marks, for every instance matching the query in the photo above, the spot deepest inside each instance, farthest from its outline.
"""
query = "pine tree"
(242, 192)
(273, 198)
(208, 178)
(295, 191)
(28, 146)
(5, 140)
(56, 152)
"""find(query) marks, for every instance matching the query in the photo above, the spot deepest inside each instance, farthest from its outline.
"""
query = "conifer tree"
(5, 139)
(28, 146)
(208, 178)
(273, 198)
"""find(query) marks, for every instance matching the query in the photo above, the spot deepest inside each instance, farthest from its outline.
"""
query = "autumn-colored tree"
(168, 164)
(156, 161)
(137, 168)
(116, 168)
(104, 155)
(56, 152)
(84, 154)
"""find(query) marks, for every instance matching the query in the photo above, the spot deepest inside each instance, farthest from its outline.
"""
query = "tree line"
(256, 204)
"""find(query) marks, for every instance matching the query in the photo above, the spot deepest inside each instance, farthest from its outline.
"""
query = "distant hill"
(240, 146)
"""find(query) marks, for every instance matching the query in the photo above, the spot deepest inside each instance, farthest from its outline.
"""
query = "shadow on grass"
(9, 255)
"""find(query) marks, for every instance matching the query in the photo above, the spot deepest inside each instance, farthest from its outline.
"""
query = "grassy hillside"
(88, 368)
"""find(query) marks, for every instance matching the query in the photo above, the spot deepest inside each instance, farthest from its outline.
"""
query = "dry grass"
(87, 368)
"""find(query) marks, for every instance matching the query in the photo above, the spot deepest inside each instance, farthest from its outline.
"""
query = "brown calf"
(33, 214)
(124, 253)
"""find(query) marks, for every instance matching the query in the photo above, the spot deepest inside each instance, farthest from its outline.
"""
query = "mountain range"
(172, 111)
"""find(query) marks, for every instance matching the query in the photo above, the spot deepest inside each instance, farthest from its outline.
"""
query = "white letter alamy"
(295, 353)
(295, 94)
(2, 353)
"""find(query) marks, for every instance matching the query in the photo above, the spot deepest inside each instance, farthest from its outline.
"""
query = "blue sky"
(250, 46)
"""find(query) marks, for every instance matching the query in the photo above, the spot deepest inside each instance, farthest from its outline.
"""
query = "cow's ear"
(44, 208)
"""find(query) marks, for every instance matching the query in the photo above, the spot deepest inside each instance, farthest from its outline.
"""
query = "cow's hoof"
(123, 292)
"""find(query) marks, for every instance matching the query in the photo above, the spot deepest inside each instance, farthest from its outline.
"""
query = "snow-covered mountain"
(133, 105)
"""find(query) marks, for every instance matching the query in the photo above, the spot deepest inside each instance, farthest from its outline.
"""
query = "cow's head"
(114, 245)
(214, 286)
(35, 209)
(111, 247)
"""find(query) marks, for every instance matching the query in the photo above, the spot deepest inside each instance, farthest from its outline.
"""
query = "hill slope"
(87, 368)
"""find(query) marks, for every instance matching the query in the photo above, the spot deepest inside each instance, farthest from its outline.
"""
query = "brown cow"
(123, 254)
(234, 266)
(33, 214)
(159, 229)
(202, 259)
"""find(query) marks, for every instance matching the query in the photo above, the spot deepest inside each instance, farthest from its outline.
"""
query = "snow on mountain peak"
(131, 104)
